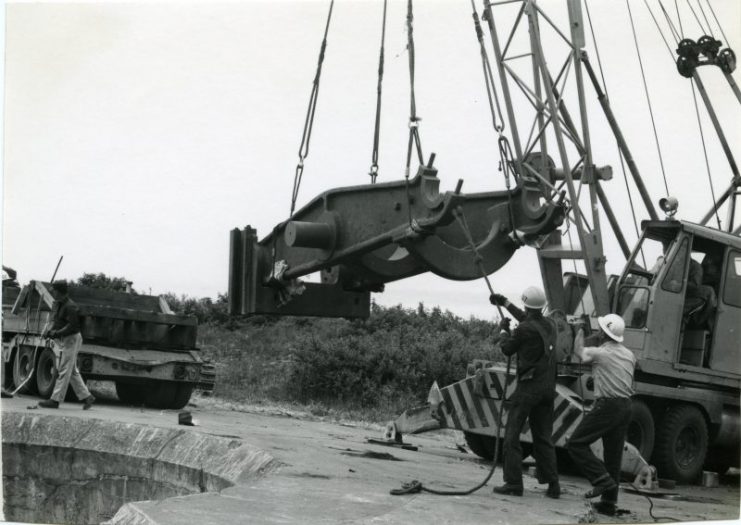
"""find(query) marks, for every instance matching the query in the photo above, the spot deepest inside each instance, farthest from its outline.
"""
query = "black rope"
(648, 98)
(377, 130)
(303, 150)
(718, 22)
(651, 506)
(415, 486)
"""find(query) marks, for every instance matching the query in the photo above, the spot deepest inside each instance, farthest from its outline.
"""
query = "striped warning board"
(473, 405)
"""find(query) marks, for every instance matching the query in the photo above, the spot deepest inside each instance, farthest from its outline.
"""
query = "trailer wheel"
(46, 373)
(161, 395)
(681, 444)
(130, 394)
(641, 430)
(22, 368)
(182, 396)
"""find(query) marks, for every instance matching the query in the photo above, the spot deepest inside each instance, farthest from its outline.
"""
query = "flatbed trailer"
(134, 340)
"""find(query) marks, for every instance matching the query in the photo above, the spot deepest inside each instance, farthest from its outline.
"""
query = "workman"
(612, 368)
(532, 341)
(66, 333)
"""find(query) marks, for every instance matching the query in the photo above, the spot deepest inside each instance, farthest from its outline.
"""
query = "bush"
(378, 366)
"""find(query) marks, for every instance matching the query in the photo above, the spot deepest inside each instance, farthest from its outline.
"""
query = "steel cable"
(303, 150)
(377, 129)
(648, 98)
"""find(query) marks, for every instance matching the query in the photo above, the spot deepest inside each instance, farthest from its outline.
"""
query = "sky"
(137, 135)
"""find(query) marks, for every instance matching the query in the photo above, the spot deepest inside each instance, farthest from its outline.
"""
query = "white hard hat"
(533, 297)
(613, 325)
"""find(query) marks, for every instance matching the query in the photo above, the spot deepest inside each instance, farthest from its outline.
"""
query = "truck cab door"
(725, 352)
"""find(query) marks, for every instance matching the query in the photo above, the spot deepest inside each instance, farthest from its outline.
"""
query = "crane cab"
(680, 296)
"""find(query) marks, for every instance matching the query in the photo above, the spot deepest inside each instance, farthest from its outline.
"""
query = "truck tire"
(46, 373)
(482, 446)
(22, 368)
(641, 430)
(131, 394)
(681, 444)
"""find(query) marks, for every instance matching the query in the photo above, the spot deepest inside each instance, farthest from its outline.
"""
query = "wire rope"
(414, 139)
(607, 94)
(679, 18)
(377, 128)
(668, 47)
(648, 98)
(697, 18)
(303, 150)
(718, 22)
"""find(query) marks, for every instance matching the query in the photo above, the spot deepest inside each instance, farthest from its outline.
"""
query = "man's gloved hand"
(51, 334)
(497, 299)
(504, 324)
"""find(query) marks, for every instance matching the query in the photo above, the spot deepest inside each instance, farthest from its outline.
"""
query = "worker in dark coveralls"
(532, 342)
(66, 333)
(613, 366)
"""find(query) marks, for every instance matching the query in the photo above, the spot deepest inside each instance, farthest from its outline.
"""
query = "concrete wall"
(68, 470)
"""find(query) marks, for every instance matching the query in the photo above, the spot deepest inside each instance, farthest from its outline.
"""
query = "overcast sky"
(136, 136)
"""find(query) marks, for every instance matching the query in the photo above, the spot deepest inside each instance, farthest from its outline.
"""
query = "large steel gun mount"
(361, 237)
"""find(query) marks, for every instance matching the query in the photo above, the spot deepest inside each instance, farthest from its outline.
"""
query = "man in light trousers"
(66, 332)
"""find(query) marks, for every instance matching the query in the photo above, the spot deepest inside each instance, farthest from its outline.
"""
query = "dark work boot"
(88, 402)
(600, 486)
(607, 508)
(49, 403)
(509, 490)
(554, 490)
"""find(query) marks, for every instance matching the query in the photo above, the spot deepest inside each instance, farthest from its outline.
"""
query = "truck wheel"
(482, 446)
(46, 373)
(130, 394)
(681, 444)
(22, 368)
(182, 396)
(641, 430)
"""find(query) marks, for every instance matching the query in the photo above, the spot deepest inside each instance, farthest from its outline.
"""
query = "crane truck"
(685, 415)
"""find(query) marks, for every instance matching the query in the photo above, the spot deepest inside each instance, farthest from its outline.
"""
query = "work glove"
(51, 334)
(504, 324)
(497, 299)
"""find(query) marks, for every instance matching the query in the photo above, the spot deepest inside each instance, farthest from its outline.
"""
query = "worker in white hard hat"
(532, 341)
(613, 366)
